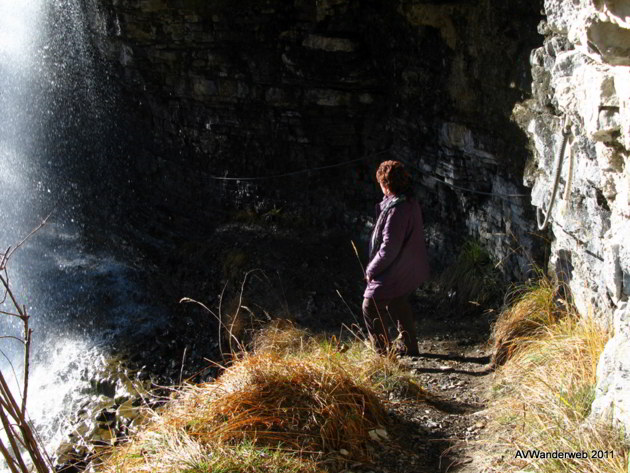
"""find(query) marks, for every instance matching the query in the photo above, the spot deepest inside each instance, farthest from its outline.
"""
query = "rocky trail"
(434, 434)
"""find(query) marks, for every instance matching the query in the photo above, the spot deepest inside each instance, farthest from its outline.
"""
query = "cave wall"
(581, 72)
(258, 88)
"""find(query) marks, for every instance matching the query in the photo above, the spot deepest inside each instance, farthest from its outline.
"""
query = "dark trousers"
(382, 314)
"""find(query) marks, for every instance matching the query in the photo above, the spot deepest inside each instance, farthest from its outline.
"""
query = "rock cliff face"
(259, 88)
(581, 74)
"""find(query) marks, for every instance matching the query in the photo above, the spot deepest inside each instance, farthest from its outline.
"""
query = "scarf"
(377, 233)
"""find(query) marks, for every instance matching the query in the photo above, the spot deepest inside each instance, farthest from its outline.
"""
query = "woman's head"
(393, 176)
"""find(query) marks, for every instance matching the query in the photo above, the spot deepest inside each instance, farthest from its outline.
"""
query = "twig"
(238, 309)
(188, 299)
(11, 251)
(10, 460)
(10, 433)
(17, 430)
(284, 295)
(5, 282)
(4, 337)
(15, 376)
(28, 334)
(356, 252)
(5, 257)
(221, 319)
(347, 306)
(181, 371)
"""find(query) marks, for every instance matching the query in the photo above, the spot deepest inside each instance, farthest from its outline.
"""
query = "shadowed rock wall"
(581, 72)
(258, 88)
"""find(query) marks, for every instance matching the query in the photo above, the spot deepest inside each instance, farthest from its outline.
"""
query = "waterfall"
(80, 298)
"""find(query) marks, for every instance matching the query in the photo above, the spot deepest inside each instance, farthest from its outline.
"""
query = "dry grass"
(534, 307)
(379, 373)
(543, 394)
(293, 403)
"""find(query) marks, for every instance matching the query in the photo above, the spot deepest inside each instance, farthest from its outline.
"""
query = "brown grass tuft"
(542, 398)
(291, 403)
(282, 336)
(534, 308)
(270, 400)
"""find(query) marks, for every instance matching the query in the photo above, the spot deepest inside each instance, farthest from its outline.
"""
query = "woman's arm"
(393, 237)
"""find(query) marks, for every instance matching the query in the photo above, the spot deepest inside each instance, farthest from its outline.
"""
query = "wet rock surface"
(114, 402)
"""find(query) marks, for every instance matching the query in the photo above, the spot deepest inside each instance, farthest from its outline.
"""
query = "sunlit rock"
(612, 404)
(609, 40)
(587, 79)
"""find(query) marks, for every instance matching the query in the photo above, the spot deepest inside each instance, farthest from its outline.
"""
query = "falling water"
(52, 104)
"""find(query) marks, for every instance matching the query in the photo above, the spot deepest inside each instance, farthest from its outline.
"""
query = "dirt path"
(431, 436)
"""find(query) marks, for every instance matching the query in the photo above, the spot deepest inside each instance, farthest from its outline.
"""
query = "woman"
(398, 259)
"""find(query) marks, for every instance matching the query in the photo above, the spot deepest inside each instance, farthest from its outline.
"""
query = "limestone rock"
(561, 14)
(610, 40)
(612, 403)
(582, 72)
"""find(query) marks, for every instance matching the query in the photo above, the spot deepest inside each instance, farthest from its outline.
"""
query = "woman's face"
(385, 189)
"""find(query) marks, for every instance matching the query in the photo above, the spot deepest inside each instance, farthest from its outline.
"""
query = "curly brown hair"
(394, 176)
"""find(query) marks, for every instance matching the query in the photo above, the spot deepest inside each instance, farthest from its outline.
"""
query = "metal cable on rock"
(540, 213)
(363, 158)
(301, 171)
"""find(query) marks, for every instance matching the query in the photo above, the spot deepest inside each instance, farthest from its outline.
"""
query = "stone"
(610, 41)
(608, 124)
(597, 102)
(328, 97)
(622, 87)
(615, 8)
(329, 44)
(127, 411)
(612, 403)
(436, 16)
(203, 87)
(608, 158)
(613, 276)
(561, 14)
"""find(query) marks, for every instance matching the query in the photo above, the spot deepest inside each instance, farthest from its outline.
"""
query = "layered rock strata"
(260, 88)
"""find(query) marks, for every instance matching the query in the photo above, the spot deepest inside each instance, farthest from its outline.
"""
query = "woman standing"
(398, 259)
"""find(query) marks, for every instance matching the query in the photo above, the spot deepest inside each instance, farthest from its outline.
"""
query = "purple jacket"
(400, 264)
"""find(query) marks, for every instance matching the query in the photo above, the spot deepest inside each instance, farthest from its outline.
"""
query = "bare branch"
(10, 251)
(5, 283)
(10, 336)
(15, 376)
(10, 460)
(10, 433)
(28, 333)
(5, 256)
(17, 430)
